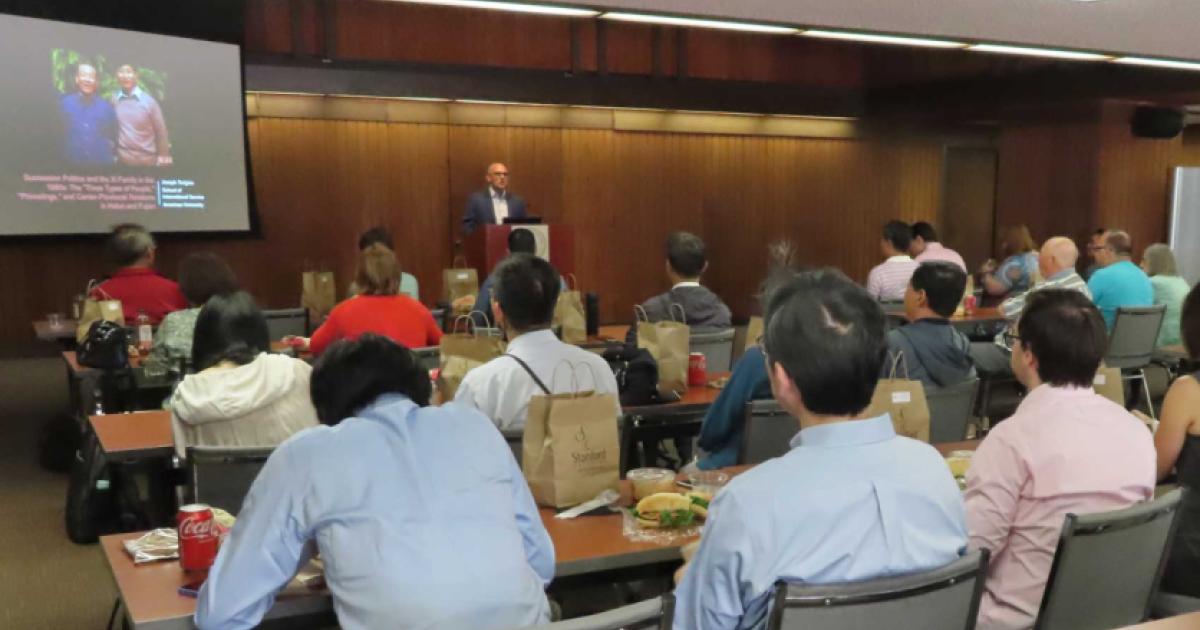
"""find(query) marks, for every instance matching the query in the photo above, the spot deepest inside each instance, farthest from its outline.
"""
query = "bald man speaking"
(494, 204)
(1056, 261)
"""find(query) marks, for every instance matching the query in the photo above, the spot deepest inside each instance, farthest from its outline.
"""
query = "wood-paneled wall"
(320, 182)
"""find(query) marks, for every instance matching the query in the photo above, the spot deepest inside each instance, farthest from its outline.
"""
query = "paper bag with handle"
(1109, 384)
(667, 342)
(904, 400)
(460, 284)
(461, 352)
(105, 308)
(568, 314)
(754, 331)
(570, 448)
(318, 294)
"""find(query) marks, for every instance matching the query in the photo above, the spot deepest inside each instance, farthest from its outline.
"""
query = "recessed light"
(1038, 52)
(883, 39)
(1158, 63)
(668, 20)
(515, 7)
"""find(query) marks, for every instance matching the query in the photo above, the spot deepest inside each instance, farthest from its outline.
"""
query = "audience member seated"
(887, 280)
(1065, 450)
(520, 241)
(379, 308)
(241, 395)
(1016, 274)
(420, 514)
(687, 260)
(851, 501)
(380, 235)
(1158, 261)
(926, 248)
(201, 276)
(1178, 444)
(1056, 262)
(933, 351)
(135, 283)
(1095, 244)
(1118, 282)
(525, 291)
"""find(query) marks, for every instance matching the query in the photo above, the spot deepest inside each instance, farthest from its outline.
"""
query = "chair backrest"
(428, 358)
(946, 598)
(1107, 566)
(515, 439)
(767, 432)
(489, 332)
(716, 346)
(950, 410)
(651, 613)
(1134, 336)
(286, 321)
(221, 475)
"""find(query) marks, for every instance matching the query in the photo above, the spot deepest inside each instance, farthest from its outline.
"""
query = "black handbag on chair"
(106, 347)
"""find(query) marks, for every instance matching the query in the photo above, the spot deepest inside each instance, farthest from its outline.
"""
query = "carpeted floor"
(46, 581)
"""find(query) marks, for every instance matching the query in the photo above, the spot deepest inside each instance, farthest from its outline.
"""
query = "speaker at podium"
(487, 246)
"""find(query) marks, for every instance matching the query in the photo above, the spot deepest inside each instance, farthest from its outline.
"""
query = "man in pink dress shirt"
(925, 246)
(1066, 449)
(889, 279)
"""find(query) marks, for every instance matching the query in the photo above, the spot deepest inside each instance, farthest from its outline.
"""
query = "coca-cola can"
(198, 537)
(697, 369)
(969, 304)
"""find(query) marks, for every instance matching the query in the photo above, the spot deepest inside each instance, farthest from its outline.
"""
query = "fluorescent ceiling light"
(1158, 63)
(883, 39)
(516, 7)
(1038, 52)
(668, 20)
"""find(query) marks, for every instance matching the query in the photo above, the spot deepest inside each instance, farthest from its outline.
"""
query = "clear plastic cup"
(648, 481)
(708, 481)
(959, 462)
(55, 320)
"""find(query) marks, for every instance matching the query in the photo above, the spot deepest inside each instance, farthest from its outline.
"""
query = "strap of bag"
(897, 359)
(529, 371)
(640, 313)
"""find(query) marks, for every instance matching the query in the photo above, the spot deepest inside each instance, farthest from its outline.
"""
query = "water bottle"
(98, 396)
(145, 334)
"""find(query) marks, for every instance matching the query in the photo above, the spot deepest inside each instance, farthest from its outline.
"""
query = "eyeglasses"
(1009, 338)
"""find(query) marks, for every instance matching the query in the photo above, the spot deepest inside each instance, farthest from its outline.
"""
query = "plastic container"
(648, 481)
(709, 481)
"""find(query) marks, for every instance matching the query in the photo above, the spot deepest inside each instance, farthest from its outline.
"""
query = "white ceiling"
(1166, 28)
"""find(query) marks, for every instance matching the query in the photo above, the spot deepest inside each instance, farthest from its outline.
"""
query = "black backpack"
(92, 505)
(106, 347)
(636, 372)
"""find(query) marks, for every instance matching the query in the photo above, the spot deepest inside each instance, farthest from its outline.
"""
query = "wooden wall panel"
(1134, 179)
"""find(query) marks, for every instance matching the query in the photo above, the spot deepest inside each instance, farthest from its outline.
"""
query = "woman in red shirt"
(378, 309)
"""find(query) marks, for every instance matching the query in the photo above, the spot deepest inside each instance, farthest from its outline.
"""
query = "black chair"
(429, 357)
(1132, 345)
(653, 613)
(221, 475)
(1107, 566)
(946, 598)
(515, 439)
(767, 433)
(716, 346)
(950, 410)
(286, 321)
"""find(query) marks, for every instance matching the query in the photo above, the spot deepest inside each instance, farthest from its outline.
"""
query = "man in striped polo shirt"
(888, 280)
(1057, 264)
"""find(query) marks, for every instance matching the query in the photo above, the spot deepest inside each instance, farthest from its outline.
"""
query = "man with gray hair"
(1056, 262)
(135, 282)
(1118, 282)
(89, 121)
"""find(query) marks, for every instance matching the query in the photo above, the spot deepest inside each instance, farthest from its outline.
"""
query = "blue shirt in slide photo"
(90, 128)
(1119, 284)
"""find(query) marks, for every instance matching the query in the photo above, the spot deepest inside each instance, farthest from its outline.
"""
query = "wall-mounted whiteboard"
(1184, 230)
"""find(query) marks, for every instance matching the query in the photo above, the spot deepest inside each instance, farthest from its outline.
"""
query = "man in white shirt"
(889, 279)
(525, 291)
(494, 204)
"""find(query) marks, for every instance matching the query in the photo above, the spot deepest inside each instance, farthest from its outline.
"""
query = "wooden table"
(980, 315)
(127, 437)
(945, 448)
(1189, 621)
(64, 331)
(697, 399)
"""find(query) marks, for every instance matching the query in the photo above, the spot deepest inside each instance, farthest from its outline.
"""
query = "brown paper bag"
(904, 400)
(570, 449)
(568, 315)
(462, 352)
(459, 281)
(318, 294)
(667, 342)
(1109, 384)
(95, 310)
(754, 331)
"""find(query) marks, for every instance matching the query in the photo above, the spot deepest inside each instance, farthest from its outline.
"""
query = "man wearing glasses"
(494, 204)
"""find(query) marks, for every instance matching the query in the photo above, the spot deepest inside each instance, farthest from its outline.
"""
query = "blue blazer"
(479, 210)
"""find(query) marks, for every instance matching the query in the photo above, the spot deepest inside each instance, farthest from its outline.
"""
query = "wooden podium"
(488, 245)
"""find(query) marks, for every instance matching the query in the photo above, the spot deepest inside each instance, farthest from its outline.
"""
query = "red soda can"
(697, 369)
(198, 537)
(969, 304)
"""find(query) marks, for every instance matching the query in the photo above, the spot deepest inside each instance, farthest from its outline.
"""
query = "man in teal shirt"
(1118, 282)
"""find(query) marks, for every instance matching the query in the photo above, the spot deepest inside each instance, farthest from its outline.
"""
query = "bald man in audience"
(1056, 261)
(1118, 282)
(494, 204)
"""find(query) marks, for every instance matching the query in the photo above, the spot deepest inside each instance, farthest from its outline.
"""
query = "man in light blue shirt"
(1118, 282)
(851, 501)
(421, 515)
